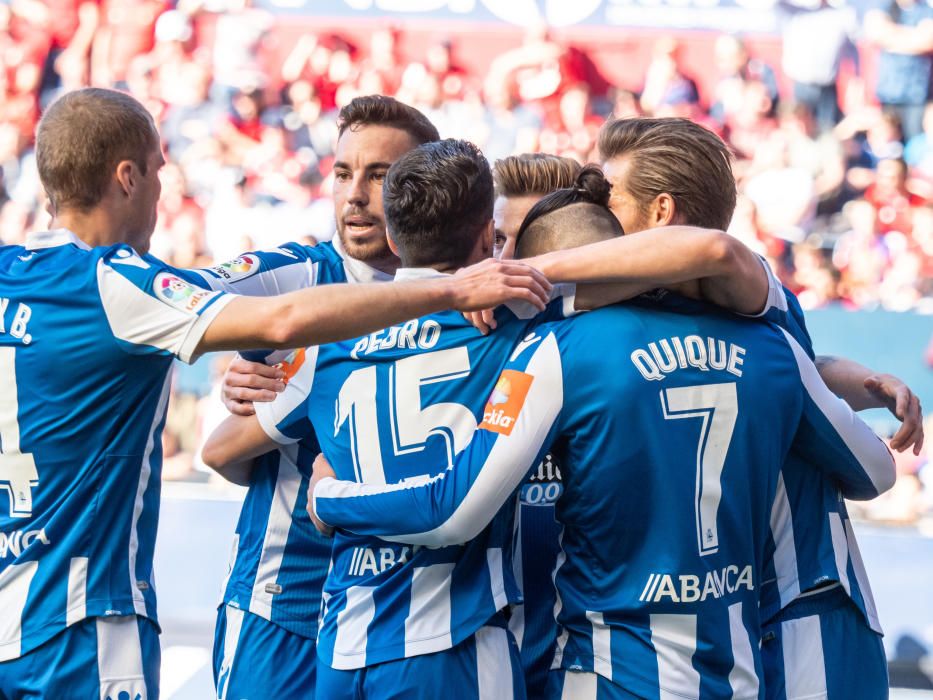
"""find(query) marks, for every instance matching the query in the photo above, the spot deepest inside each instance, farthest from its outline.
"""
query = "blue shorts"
(256, 659)
(821, 648)
(573, 685)
(485, 666)
(111, 658)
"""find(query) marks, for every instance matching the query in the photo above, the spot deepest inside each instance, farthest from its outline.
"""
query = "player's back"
(408, 399)
(677, 425)
(85, 389)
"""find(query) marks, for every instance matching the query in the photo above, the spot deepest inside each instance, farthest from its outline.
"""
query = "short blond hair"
(533, 173)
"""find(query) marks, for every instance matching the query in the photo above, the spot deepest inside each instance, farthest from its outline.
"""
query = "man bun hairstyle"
(380, 110)
(590, 186)
(677, 157)
(437, 199)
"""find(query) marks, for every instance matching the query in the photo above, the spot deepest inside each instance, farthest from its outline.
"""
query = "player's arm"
(456, 505)
(232, 447)
(336, 312)
(832, 437)
(862, 389)
(729, 273)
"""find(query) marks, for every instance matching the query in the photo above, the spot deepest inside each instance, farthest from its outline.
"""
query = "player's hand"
(492, 282)
(484, 321)
(321, 470)
(905, 406)
(245, 382)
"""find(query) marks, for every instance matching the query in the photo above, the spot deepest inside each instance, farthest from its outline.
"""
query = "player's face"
(147, 200)
(363, 156)
(508, 214)
(626, 208)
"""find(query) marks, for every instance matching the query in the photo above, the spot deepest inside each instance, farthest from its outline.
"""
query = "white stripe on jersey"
(743, 678)
(859, 438)
(674, 638)
(840, 550)
(120, 658)
(785, 548)
(145, 471)
(14, 587)
(271, 413)
(579, 686)
(76, 606)
(428, 621)
(493, 664)
(804, 666)
(352, 625)
(517, 617)
(497, 577)
(284, 498)
(234, 622)
(141, 319)
(776, 297)
(861, 575)
(602, 644)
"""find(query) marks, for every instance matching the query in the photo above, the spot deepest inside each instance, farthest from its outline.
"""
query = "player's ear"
(663, 210)
(489, 238)
(392, 245)
(127, 175)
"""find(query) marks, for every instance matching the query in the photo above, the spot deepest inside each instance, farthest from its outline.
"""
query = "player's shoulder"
(258, 261)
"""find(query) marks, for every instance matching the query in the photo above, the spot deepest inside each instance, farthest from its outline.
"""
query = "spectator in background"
(816, 41)
(127, 29)
(666, 83)
(904, 34)
(889, 195)
(919, 150)
(736, 68)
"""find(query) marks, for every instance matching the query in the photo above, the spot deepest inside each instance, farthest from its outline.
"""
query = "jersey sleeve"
(834, 438)
(519, 422)
(150, 309)
(286, 419)
(261, 273)
(783, 309)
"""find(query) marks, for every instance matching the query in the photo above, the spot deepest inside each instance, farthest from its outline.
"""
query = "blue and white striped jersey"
(671, 429)
(812, 542)
(87, 338)
(279, 560)
(406, 397)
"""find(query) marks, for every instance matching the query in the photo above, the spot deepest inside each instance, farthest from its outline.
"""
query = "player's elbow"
(284, 328)
(214, 455)
(886, 475)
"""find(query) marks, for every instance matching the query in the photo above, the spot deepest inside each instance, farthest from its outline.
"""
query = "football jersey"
(812, 542)
(279, 560)
(395, 407)
(87, 338)
(671, 429)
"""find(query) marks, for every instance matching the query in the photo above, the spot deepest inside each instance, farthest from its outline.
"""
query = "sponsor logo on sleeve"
(506, 401)
(237, 269)
(175, 292)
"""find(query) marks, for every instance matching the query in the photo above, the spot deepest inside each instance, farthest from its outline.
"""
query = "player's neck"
(94, 227)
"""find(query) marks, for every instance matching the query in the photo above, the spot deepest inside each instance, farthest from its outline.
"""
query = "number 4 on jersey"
(18, 473)
(718, 407)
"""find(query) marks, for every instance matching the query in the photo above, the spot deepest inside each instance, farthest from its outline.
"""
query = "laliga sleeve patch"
(237, 269)
(177, 293)
(506, 401)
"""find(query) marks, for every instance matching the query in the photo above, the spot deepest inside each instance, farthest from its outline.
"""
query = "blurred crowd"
(835, 174)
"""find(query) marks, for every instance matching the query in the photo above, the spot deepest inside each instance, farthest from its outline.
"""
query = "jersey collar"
(52, 239)
(418, 273)
(357, 270)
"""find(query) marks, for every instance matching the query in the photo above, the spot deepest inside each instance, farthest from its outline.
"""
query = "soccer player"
(80, 448)
(672, 427)
(268, 618)
(817, 606)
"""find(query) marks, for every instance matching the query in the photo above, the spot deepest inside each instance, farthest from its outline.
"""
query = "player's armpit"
(233, 445)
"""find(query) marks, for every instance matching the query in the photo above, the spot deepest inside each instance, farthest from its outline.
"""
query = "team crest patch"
(506, 401)
(237, 269)
(174, 291)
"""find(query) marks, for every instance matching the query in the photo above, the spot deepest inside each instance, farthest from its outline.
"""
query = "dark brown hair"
(82, 137)
(381, 110)
(533, 173)
(437, 199)
(679, 157)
